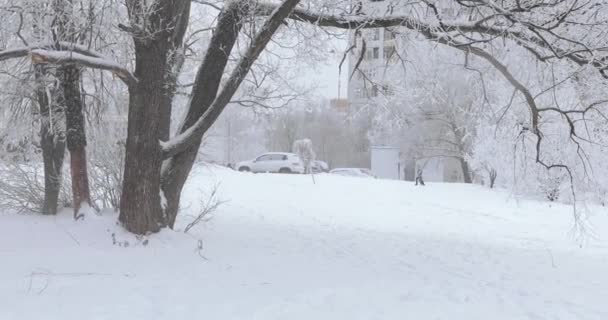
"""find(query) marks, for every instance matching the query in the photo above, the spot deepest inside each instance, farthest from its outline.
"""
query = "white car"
(319, 166)
(353, 172)
(281, 162)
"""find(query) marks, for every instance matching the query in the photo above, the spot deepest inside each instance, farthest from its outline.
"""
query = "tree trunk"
(52, 141)
(177, 169)
(206, 104)
(53, 148)
(140, 203)
(142, 179)
(466, 172)
(69, 79)
(492, 173)
(76, 137)
(149, 116)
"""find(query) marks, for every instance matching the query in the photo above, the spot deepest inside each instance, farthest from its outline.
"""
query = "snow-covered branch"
(69, 53)
(21, 52)
(543, 42)
(69, 57)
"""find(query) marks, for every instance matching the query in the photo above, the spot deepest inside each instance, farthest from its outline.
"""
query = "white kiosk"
(385, 162)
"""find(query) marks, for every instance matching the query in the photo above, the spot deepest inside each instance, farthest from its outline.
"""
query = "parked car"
(353, 172)
(281, 162)
(320, 166)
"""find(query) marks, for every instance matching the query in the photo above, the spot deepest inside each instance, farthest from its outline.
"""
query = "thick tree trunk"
(208, 78)
(145, 107)
(140, 203)
(76, 137)
(466, 172)
(175, 64)
(52, 142)
(149, 116)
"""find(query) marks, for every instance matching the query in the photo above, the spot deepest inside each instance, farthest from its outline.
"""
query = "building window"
(389, 53)
(371, 73)
(389, 35)
(372, 54)
(365, 74)
(376, 34)
(374, 91)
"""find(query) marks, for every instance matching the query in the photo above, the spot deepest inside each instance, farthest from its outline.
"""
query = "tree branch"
(532, 40)
(69, 53)
(190, 136)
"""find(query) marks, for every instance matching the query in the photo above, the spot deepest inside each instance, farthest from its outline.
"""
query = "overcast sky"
(326, 75)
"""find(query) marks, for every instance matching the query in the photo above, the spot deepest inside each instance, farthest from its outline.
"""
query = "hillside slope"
(281, 247)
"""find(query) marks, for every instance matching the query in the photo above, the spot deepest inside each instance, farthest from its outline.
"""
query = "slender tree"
(52, 123)
(69, 79)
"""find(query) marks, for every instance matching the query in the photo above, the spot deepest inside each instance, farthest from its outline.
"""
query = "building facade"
(373, 58)
(377, 70)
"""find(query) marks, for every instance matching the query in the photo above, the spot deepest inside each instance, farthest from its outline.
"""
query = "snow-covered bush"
(22, 187)
(22, 180)
(106, 154)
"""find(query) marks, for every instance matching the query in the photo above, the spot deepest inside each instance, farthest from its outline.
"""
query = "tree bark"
(140, 203)
(466, 171)
(69, 79)
(52, 141)
(149, 115)
(76, 137)
(208, 78)
(492, 174)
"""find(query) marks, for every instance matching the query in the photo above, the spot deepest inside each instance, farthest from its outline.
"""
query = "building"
(376, 65)
(371, 67)
(340, 105)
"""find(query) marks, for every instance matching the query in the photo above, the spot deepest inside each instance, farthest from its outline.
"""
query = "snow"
(163, 200)
(92, 61)
(85, 210)
(281, 247)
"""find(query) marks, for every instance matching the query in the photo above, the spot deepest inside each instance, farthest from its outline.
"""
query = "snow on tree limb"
(69, 53)
(540, 40)
(69, 57)
(61, 46)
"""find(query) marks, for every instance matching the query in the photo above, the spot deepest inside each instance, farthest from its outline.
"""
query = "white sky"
(326, 75)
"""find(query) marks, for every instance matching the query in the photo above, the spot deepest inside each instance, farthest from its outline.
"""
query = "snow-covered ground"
(282, 247)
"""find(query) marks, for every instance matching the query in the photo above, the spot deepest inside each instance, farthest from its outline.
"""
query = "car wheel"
(244, 169)
(284, 170)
